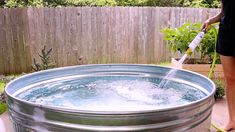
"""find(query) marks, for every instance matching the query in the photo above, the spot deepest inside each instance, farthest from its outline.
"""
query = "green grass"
(2, 85)
(3, 108)
(3, 81)
(164, 64)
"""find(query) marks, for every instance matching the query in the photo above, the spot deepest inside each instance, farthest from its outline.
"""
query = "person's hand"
(206, 24)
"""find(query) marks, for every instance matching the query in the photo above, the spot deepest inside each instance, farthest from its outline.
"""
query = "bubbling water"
(111, 93)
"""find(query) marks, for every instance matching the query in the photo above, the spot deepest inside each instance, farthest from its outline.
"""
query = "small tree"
(46, 62)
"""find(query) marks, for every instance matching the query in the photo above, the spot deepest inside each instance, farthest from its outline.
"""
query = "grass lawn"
(2, 85)
(3, 106)
(164, 64)
(3, 81)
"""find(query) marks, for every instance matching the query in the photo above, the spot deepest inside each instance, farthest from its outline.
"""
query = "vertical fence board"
(78, 37)
(2, 39)
(20, 51)
(26, 41)
(94, 36)
(3, 35)
(125, 38)
(54, 45)
(117, 47)
(70, 35)
(150, 37)
(156, 35)
(58, 37)
(111, 34)
(12, 44)
(7, 53)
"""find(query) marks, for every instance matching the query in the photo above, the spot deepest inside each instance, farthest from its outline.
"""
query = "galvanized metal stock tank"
(28, 117)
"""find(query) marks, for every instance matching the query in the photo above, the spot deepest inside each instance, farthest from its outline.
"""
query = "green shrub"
(3, 81)
(220, 89)
(23, 3)
(8, 78)
(178, 39)
(202, 3)
(3, 107)
(2, 85)
(54, 3)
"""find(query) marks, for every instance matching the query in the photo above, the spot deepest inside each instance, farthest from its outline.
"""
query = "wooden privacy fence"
(85, 35)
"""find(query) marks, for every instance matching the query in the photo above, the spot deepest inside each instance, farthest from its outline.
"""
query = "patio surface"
(219, 116)
(220, 112)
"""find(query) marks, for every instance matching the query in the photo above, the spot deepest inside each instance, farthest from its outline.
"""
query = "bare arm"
(213, 19)
(217, 17)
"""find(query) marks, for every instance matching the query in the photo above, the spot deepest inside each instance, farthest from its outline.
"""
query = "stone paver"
(4, 123)
(220, 113)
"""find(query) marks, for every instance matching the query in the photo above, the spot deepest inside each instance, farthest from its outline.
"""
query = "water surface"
(111, 93)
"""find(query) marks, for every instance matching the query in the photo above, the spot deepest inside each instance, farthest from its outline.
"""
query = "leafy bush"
(2, 85)
(8, 78)
(164, 3)
(23, 3)
(3, 81)
(202, 3)
(178, 39)
(220, 89)
(54, 3)
(3, 107)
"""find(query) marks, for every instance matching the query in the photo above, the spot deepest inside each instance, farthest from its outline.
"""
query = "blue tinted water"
(111, 93)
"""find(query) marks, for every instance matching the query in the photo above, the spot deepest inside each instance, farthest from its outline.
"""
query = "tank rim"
(54, 108)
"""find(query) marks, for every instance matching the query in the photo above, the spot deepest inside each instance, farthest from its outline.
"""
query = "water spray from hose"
(192, 46)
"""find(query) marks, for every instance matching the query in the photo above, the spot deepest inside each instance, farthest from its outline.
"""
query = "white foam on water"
(102, 94)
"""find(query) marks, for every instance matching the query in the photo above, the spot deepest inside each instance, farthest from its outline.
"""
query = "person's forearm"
(217, 17)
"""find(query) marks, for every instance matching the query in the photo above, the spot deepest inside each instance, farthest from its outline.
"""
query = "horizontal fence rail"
(89, 35)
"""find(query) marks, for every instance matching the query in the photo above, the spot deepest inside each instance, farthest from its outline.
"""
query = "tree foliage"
(202, 3)
(164, 3)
